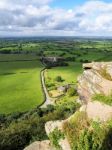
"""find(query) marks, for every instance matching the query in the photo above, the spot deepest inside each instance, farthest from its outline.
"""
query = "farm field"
(69, 74)
(22, 120)
(20, 66)
(17, 57)
(20, 86)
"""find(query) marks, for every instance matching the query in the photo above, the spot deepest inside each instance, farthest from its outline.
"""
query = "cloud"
(35, 17)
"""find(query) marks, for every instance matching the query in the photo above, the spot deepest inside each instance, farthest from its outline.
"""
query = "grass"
(55, 137)
(17, 57)
(69, 74)
(20, 86)
(105, 75)
(85, 134)
(55, 93)
(102, 98)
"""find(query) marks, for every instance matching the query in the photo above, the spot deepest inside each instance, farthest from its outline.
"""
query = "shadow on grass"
(107, 143)
(6, 74)
(11, 73)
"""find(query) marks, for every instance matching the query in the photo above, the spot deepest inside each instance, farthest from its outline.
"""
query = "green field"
(69, 74)
(17, 57)
(20, 86)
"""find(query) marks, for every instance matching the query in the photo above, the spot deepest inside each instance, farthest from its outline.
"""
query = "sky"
(55, 18)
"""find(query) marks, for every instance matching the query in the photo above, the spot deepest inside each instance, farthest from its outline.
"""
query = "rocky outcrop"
(47, 144)
(40, 145)
(96, 79)
(51, 125)
(97, 111)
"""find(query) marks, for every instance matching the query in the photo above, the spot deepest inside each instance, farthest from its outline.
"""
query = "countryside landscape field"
(55, 74)
(39, 81)
(20, 67)
(20, 86)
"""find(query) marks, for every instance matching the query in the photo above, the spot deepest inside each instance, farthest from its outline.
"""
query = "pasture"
(20, 86)
(69, 74)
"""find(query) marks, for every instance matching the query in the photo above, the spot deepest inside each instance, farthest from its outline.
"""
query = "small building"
(52, 59)
(61, 89)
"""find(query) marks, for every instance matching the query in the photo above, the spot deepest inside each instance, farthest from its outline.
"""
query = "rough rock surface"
(50, 126)
(97, 111)
(96, 78)
(40, 145)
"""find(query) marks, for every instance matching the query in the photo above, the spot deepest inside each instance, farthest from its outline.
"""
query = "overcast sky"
(55, 17)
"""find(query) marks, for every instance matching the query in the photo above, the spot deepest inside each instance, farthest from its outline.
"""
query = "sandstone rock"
(95, 79)
(64, 144)
(98, 65)
(40, 145)
(98, 111)
(83, 108)
(50, 126)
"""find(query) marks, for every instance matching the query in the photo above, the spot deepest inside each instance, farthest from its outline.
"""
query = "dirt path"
(49, 100)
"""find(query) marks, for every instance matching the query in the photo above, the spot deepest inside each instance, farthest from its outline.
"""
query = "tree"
(71, 92)
(59, 79)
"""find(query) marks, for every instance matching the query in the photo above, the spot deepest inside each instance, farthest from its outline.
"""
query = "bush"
(2, 118)
(50, 85)
(30, 126)
(71, 92)
(70, 59)
(74, 127)
(55, 137)
(84, 61)
(84, 134)
(59, 79)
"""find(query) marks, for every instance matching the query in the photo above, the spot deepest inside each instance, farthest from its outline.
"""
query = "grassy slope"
(20, 86)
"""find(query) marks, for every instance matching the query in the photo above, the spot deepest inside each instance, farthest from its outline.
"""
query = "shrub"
(2, 118)
(55, 137)
(30, 126)
(84, 61)
(74, 127)
(71, 92)
(59, 79)
(48, 85)
(84, 134)
(70, 58)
